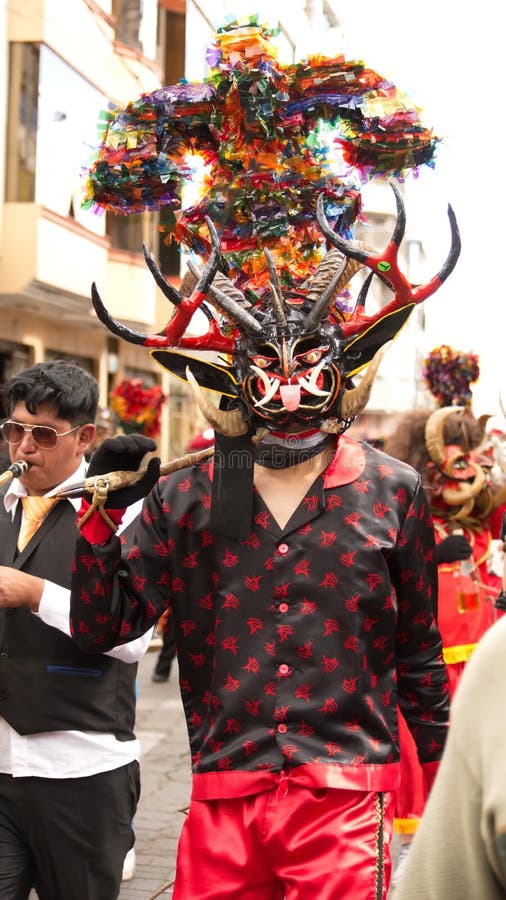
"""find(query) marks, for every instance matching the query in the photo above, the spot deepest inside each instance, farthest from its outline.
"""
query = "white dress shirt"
(66, 754)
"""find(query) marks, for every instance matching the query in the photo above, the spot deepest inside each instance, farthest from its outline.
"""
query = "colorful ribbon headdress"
(263, 131)
(449, 374)
(273, 201)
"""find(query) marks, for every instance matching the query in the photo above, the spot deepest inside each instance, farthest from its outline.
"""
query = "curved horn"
(364, 290)
(276, 292)
(166, 288)
(434, 429)
(457, 496)
(211, 266)
(229, 423)
(355, 399)
(187, 286)
(456, 246)
(463, 513)
(204, 278)
(322, 305)
(400, 223)
(355, 251)
(133, 337)
(350, 249)
(230, 307)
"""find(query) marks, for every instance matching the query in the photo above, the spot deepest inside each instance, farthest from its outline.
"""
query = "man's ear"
(85, 437)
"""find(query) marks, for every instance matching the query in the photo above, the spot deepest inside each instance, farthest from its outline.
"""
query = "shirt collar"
(348, 463)
(16, 490)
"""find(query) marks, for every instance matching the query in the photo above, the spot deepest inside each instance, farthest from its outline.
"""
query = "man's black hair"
(65, 386)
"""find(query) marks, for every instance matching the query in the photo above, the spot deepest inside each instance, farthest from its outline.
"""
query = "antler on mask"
(186, 307)
(385, 266)
(292, 353)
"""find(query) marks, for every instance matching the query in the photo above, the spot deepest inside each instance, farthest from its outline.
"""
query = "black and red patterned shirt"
(295, 645)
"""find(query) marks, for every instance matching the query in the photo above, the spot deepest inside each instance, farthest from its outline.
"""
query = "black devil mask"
(290, 356)
(286, 346)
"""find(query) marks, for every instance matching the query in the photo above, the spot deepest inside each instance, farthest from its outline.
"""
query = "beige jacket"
(459, 851)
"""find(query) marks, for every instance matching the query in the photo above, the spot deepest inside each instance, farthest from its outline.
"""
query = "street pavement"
(165, 783)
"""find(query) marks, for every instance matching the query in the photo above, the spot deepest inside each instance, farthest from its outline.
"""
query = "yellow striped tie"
(35, 510)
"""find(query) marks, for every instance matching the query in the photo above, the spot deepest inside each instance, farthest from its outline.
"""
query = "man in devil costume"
(299, 567)
(444, 445)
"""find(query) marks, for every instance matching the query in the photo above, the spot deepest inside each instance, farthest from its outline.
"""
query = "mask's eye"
(263, 362)
(311, 357)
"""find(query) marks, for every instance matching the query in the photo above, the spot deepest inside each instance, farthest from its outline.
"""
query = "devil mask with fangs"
(293, 354)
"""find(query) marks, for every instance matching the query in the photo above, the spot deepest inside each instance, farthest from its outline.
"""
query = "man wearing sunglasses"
(69, 772)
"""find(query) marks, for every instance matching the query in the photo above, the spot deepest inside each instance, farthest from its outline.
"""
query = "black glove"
(455, 546)
(124, 453)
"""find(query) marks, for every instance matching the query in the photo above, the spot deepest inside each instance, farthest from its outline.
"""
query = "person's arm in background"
(452, 548)
(459, 849)
(51, 602)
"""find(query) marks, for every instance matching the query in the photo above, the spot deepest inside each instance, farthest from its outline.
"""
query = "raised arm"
(113, 600)
(103, 588)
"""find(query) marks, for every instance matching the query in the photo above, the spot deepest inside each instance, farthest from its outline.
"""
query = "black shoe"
(157, 677)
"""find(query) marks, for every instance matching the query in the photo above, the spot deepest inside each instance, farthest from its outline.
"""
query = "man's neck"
(281, 450)
(283, 489)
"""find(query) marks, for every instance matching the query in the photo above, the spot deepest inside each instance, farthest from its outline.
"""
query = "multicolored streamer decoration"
(272, 138)
(138, 408)
(449, 374)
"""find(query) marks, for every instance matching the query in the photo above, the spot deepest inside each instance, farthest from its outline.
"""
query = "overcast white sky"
(451, 62)
(448, 56)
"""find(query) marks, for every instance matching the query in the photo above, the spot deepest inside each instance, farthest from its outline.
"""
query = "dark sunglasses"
(43, 436)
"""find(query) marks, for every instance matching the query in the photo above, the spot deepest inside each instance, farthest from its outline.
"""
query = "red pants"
(291, 842)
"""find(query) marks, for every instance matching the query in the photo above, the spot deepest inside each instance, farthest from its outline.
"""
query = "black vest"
(46, 682)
